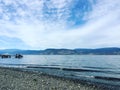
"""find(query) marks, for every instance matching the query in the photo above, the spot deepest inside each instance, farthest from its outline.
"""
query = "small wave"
(13, 65)
(66, 69)
(97, 67)
(86, 76)
(107, 78)
(100, 77)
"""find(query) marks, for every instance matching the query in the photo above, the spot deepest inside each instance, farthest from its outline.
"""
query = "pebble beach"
(14, 79)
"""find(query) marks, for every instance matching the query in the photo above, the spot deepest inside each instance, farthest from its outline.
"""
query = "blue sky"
(41, 24)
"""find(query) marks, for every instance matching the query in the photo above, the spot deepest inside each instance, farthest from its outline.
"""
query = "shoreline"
(20, 79)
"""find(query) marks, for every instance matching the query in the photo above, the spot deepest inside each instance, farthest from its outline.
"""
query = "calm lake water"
(94, 68)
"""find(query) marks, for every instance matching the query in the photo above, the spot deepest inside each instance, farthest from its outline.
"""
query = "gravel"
(12, 79)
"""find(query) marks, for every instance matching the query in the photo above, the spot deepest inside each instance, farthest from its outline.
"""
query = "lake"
(103, 69)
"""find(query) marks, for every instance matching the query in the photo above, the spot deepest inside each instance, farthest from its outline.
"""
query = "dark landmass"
(98, 51)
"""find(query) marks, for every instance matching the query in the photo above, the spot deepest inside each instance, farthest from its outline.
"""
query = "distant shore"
(16, 79)
(78, 51)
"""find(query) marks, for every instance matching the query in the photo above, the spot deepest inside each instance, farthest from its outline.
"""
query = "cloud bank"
(41, 24)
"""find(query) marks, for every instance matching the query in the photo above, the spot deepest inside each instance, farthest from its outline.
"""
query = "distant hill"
(98, 51)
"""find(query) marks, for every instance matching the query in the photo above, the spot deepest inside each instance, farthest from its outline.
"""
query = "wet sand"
(15, 79)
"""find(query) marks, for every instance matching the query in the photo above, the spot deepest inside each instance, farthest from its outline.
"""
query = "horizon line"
(57, 48)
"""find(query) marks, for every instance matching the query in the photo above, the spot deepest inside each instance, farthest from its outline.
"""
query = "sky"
(41, 24)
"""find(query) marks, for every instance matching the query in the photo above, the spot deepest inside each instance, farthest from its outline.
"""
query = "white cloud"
(31, 24)
(106, 25)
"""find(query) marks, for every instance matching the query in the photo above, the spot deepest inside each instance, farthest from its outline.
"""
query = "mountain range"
(78, 51)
